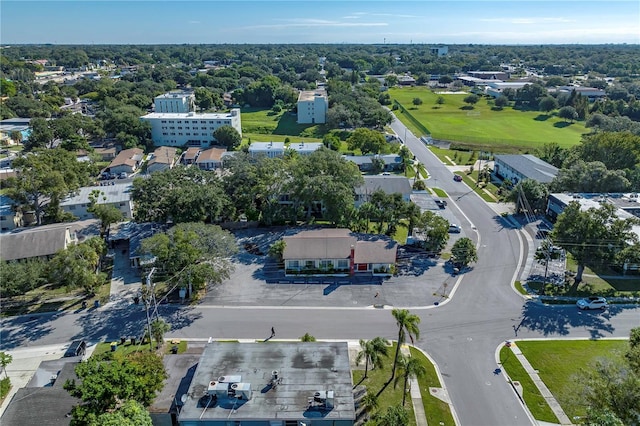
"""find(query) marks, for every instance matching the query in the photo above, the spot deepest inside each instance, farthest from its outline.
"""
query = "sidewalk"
(416, 396)
(544, 391)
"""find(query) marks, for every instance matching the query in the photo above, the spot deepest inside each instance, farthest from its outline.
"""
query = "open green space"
(452, 157)
(536, 403)
(437, 412)
(472, 184)
(506, 130)
(266, 122)
(560, 362)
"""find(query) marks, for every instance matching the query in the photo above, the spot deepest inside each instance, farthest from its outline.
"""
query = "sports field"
(508, 129)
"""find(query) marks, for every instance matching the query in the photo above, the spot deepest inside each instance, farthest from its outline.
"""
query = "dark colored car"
(77, 348)
(457, 178)
(441, 203)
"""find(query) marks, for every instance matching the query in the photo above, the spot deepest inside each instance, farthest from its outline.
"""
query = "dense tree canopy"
(105, 385)
(181, 194)
(592, 235)
(192, 253)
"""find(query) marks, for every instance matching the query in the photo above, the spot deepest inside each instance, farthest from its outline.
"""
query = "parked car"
(592, 302)
(457, 178)
(122, 175)
(441, 203)
(454, 229)
(77, 348)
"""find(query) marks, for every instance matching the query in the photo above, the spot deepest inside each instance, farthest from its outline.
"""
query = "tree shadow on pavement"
(107, 325)
(20, 331)
(560, 319)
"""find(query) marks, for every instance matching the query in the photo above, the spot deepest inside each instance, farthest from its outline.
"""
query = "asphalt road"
(461, 335)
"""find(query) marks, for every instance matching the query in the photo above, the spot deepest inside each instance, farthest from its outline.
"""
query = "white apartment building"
(190, 129)
(117, 195)
(312, 107)
(175, 102)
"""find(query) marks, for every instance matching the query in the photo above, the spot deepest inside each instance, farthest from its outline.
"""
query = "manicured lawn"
(452, 157)
(437, 411)
(559, 362)
(440, 192)
(532, 397)
(375, 381)
(266, 122)
(472, 184)
(104, 349)
(402, 232)
(505, 130)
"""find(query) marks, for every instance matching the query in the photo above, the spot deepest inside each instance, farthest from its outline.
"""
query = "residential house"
(117, 195)
(189, 128)
(270, 149)
(210, 159)
(280, 383)
(45, 241)
(129, 235)
(387, 184)
(392, 162)
(127, 161)
(21, 125)
(10, 219)
(313, 106)
(106, 153)
(163, 158)
(190, 155)
(517, 167)
(44, 401)
(337, 252)
(303, 148)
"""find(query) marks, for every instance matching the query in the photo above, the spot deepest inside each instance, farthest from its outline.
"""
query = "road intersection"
(461, 335)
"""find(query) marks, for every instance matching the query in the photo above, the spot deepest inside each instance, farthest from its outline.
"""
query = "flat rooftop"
(109, 194)
(190, 115)
(303, 367)
(309, 95)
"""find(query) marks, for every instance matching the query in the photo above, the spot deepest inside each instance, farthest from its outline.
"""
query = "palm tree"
(407, 325)
(5, 359)
(370, 401)
(410, 368)
(372, 351)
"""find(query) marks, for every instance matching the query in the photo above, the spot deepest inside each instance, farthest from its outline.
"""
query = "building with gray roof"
(387, 184)
(10, 218)
(117, 195)
(517, 167)
(262, 384)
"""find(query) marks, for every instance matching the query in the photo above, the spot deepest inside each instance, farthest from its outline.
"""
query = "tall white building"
(189, 128)
(312, 107)
(175, 102)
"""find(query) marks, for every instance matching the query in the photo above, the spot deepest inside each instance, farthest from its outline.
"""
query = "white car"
(593, 302)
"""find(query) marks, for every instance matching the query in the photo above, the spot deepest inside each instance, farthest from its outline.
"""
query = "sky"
(320, 21)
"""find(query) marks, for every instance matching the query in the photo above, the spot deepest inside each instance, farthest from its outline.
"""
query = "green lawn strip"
(472, 184)
(375, 381)
(402, 231)
(559, 362)
(182, 346)
(440, 192)
(532, 397)
(437, 411)
(508, 129)
(520, 288)
(104, 348)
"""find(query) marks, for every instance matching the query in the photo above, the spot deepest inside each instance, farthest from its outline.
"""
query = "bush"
(5, 386)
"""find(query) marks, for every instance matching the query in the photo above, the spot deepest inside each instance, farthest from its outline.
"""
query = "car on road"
(592, 302)
(77, 348)
(457, 178)
(441, 203)
(454, 229)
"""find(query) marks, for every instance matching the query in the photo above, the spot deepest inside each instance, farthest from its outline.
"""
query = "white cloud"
(528, 21)
(307, 22)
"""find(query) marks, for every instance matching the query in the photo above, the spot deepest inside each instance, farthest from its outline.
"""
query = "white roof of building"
(173, 95)
(305, 147)
(309, 95)
(188, 115)
(266, 146)
(117, 193)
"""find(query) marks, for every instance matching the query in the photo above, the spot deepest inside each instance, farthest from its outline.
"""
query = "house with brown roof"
(163, 158)
(337, 252)
(210, 159)
(190, 155)
(126, 161)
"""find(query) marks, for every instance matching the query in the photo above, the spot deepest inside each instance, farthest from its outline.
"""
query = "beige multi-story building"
(312, 107)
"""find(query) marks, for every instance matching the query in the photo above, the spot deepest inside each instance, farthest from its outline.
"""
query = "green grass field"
(505, 130)
(560, 361)
(259, 121)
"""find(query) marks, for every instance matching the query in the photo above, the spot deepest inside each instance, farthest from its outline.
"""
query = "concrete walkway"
(416, 396)
(544, 391)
